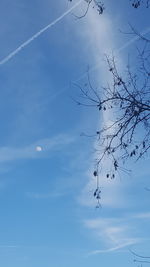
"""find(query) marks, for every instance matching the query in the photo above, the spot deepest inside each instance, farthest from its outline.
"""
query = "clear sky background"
(47, 210)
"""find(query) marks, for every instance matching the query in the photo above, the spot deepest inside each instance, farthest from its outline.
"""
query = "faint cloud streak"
(29, 152)
(114, 233)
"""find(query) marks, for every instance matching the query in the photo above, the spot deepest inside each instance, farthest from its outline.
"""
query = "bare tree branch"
(124, 104)
(138, 3)
(95, 4)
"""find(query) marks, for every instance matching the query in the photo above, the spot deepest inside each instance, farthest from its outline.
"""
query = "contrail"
(133, 39)
(17, 50)
(96, 66)
(127, 44)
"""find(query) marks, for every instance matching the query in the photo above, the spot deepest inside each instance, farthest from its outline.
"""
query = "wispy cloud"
(142, 215)
(114, 234)
(113, 249)
(98, 33)
(29, 152)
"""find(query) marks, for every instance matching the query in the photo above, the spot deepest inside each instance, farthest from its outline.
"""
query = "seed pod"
(95, 173)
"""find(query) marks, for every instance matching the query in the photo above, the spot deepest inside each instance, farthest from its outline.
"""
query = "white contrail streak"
(96, 66)
(133, 39)
(127, 44)
(17, 50)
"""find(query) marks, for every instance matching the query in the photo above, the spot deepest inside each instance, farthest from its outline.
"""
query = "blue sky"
(48, 215)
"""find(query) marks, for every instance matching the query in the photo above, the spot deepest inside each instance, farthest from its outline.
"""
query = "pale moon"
(38, 148)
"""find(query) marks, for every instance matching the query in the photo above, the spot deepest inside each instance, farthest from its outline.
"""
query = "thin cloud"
(113, 249)
(113, 233)
(29, 152)
(101, 33)
(99, 36)
(142, 215)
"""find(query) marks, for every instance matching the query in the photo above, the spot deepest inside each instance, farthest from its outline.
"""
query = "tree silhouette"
(124, 106)
(138, 258)
(99, 6)
(138, 3)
